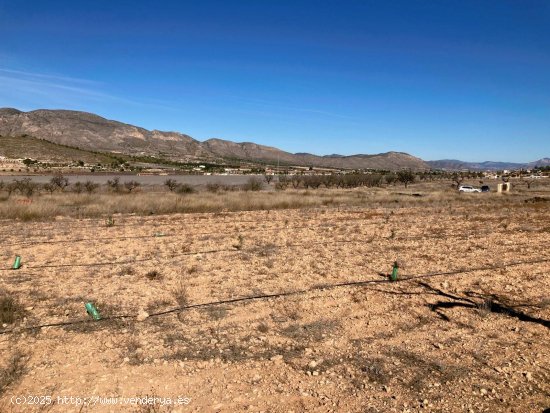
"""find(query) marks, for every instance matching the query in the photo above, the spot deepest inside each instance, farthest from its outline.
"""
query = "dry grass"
(10, 309)
(148, 202)
(377, 344)
(12, 371)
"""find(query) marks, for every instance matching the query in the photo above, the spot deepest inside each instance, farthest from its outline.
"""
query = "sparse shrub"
(133, 353)
(24, 186)
(114, 184)
(185, 189)
(216, 312)
(78, 187)
(12, 371)
(11, 188)
(10, 309)
(59, 181)
(240, 242)
(253, 184)
(110, 222)
(406, 177)
(263, 328)
(49, 187)
(131, 185)
(181, 293)
(375, 371)
(90, 187)
(281, 186)
(126, 271)
(213, 187)
(171, 184)
(282, 182)
(153, 275)
(390, 178)
(485, 307)
(312, 181)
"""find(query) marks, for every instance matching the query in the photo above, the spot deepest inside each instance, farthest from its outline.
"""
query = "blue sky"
(441, 79)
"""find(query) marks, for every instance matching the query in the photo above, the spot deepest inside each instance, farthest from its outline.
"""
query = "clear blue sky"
(437, 79)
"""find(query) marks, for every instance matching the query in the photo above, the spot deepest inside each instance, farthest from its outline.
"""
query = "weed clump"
(181, 294)
(10, 309)
(12, 371)
(153, 275)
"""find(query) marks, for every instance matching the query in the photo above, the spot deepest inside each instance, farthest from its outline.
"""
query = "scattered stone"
(142, 315)
(278, 358)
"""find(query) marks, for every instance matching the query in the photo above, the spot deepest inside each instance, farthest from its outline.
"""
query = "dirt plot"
(320, 327)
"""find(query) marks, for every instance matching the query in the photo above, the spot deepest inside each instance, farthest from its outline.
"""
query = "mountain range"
(454, 165)
(87, 131)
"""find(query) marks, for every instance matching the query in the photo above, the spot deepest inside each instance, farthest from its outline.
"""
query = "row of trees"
(59, 183)
(354, 180)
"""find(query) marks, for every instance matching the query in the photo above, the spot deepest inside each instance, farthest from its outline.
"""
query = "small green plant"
(110, 222)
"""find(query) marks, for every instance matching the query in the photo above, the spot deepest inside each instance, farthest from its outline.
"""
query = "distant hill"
(93, 133)
(456, 165)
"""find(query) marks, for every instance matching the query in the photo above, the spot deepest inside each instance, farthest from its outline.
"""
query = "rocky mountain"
(92, 132)
(456, 165)
(88, 131)
(540, 162)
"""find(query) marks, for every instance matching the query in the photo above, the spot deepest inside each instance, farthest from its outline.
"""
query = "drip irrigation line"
(262, 230)
(277, 295)
(63, 241)
(30, 243)
(233, 249)
(219, 214)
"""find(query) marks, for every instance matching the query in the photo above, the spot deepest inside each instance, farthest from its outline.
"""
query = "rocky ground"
(464, 329)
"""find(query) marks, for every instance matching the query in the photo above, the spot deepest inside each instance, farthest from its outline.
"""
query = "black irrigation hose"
(219, 214)
(31, 243)
(277, 295)
(233, 249)
(261, 230)
(63, 241)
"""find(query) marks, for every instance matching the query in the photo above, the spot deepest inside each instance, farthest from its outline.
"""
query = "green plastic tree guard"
(393, 276)
(93, 311)
(17, 262)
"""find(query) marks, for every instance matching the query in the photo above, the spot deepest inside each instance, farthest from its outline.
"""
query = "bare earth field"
(283, 310)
